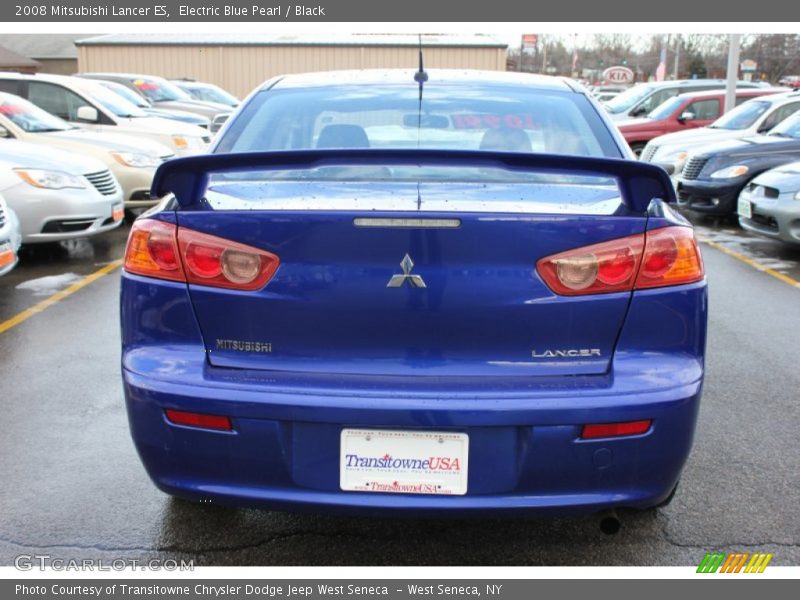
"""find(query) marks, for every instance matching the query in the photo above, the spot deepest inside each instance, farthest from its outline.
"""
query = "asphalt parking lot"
(73, 487)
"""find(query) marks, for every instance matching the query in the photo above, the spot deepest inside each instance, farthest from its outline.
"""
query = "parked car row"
(682, 113)
(641, 99)
(77, 153)
(745, 165)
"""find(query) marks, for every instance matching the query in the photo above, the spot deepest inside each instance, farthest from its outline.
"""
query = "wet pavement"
(768, 253)
(73, 486)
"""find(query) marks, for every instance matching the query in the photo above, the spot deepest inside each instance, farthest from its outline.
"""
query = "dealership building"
(239, 63)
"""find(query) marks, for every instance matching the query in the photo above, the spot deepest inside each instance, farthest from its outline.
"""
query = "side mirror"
(218, 121)
(5, 133)
(686, 116)
(88, 114)
(638, 112)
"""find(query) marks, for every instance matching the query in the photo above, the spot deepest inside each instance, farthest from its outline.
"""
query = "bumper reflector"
(199, 420)
(606, 430)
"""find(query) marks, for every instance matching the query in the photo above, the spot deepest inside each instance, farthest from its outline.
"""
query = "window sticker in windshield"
(145, 85)
(10, 109)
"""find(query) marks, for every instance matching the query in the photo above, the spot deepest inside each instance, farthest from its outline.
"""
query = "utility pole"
(521, 52)
(733, 70)
(544, 55)
(677, 55)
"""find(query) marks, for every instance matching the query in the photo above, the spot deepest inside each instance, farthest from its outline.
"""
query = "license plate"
(745, 208)
(117, 213)
(403, 462)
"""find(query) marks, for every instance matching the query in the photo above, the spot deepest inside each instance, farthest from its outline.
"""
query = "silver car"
(10, 237)
(770, 204)
(58, 195)
(162, 93)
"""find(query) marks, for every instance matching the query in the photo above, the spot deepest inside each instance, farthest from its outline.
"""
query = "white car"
(89, 104)
(58, 195)
(752, 117)
(132, 160)
(10, 237)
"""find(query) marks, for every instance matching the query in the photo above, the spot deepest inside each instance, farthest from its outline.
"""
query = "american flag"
(661, 70)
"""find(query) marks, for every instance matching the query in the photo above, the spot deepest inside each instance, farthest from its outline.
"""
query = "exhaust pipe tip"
(609, 522)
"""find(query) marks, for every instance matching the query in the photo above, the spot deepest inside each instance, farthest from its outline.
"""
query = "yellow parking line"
(753, 263)
(58, 296)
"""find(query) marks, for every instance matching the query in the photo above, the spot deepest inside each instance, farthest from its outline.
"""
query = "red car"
(686, 111)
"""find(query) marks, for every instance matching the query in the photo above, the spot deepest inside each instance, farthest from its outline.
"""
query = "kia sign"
(618, 75)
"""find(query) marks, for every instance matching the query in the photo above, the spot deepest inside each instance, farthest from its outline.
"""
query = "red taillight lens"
(661, 257)
(201, 420)
(600, 268)
(162, 250)
(604, 430)
(221, 263)
(203, 260)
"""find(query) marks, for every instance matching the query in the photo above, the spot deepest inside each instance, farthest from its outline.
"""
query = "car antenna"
(421, 76)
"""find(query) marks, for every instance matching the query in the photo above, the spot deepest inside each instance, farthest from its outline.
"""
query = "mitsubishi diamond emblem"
(413, 280)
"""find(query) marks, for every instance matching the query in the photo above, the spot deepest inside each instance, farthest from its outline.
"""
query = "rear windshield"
(394, 117)
(463, 118)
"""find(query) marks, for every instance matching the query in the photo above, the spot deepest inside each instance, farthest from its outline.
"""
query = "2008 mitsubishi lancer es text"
(399, 292)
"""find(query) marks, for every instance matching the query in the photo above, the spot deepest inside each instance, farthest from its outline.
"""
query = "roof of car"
(688, 83)
(406, 76)
(123, 76)
(40, 76)
(755, 91)
(79, 83)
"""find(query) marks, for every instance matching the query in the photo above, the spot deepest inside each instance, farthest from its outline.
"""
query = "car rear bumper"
(525, 454)
(525, 451)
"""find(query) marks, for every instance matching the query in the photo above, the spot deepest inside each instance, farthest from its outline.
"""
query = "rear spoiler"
(187, 178)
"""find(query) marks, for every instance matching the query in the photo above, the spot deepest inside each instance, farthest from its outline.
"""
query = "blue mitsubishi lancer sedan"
(409, 292)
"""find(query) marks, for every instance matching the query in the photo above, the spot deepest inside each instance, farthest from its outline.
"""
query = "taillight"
(671, 257)
(165, 251)
(658, 258)
(153, 251)
(214, 261)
